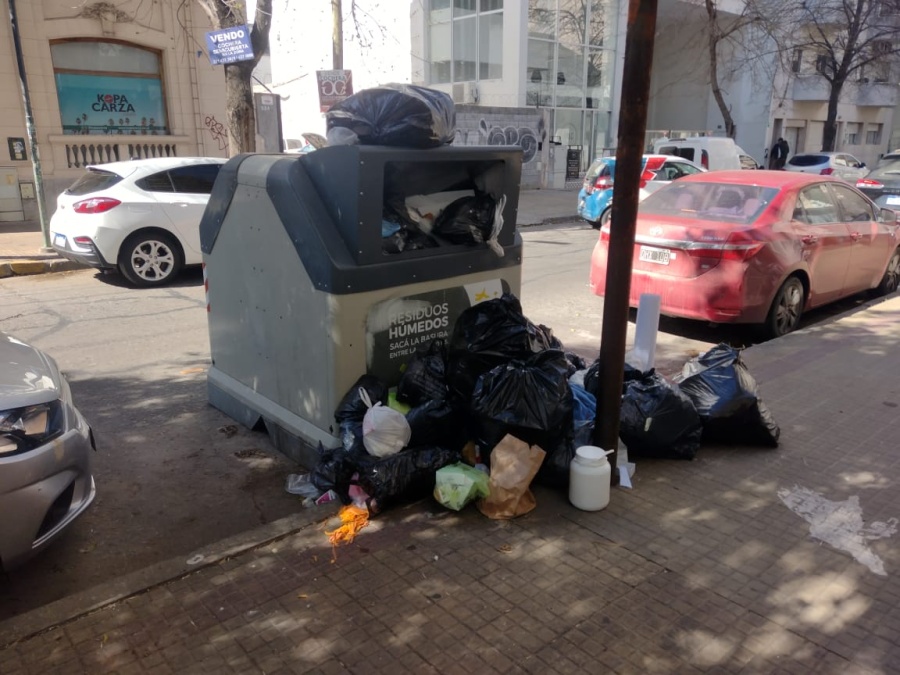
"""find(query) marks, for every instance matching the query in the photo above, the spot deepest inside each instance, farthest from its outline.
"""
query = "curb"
(72, 607)
(21, 268)
(551, 220)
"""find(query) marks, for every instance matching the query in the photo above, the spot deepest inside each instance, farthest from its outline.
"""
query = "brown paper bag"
(513, 466)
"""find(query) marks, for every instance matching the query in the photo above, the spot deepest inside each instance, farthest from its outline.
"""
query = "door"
(193, 185)
(824, 241)
(855, 169)
(871, 241)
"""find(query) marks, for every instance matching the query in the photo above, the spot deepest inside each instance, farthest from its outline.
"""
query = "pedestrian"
(786, 150)
(777, 157)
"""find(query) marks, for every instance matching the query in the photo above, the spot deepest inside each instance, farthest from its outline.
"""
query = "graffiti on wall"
(525, 137)
(217, 131)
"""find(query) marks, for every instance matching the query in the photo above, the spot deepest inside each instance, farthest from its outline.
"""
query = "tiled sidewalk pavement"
(700, 568)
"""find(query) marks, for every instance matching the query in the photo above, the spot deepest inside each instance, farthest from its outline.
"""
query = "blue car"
(595, 197)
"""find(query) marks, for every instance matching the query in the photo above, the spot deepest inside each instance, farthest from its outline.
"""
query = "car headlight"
(23, 429)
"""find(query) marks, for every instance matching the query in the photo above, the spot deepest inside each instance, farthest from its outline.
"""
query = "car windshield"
(890, 169)
(740, 204)
(808, 160)
(93, 181)
(596, 170)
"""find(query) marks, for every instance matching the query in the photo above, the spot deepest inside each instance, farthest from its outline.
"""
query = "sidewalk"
(20, 243)
(704, 565)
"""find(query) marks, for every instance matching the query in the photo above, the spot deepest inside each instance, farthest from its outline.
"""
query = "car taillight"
(826, 171)
(603, 182)
(82, 241)
(868, 182)
(704, 159)
(738, 247)
(604, 233)
(95, 205)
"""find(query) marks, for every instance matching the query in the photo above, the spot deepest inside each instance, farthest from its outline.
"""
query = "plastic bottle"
(589, 478)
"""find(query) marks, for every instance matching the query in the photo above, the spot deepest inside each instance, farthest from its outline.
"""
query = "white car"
(140, 217)
(838, 164)
(45, 447)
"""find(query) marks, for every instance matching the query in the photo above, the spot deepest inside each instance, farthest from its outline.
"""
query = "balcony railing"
(78, 151)
(811, 88)
(876, 94)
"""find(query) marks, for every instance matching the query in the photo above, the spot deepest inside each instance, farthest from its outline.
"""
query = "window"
(823, 64)
(853, 129)
(197, 179)
(93, 181)
(854, 208)
(106, 87)
(881, 67)
(797, 61)
(815, 206)
(873, 134)
(465, 40)
(157, 182)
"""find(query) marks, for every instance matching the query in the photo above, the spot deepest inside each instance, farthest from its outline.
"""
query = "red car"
(757, 247)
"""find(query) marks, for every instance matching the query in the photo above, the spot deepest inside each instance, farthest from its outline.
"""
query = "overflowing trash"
(503, 404)
(402, 115)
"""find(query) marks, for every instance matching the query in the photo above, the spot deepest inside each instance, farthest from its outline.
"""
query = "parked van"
(710, 152)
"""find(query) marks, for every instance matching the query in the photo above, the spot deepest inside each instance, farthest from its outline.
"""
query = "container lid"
(592, 454)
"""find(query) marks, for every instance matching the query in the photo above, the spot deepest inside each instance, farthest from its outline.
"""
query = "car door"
(824, 242)
(193, 185)
(840, 168)
(855, 168)
(871, 240)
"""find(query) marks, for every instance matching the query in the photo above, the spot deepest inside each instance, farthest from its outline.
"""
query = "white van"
(710, 152)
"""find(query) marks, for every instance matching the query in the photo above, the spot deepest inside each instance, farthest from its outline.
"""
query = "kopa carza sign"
(112, 103)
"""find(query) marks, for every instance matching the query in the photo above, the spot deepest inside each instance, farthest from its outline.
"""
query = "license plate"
(660, 256)
(59, 240)
(893, 199)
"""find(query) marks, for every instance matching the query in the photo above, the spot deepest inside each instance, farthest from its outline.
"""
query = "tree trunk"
(829, 135)
(239, 108)
(713, 37)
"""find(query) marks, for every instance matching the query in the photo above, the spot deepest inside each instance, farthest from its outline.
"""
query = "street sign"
(229, 45)
(334, 86)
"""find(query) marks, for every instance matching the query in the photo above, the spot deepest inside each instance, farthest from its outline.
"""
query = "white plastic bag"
(385, 430)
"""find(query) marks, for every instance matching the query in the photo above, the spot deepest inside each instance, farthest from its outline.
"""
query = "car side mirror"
(887, 216)
(862, 165)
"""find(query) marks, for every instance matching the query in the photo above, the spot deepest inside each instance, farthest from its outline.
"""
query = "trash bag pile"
(502, 403)
(410, 116)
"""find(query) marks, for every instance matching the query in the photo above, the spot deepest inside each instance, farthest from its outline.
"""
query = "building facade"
(108, 81)
(547, 74)
(538, 73)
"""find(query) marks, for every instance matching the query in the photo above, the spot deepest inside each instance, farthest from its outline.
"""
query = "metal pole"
(629, 152)
(337, 35)
(29, 125)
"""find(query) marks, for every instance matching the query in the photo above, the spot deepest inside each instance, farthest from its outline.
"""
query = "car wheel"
(784, 315)
(891, 278)
(150, 258)
(605, 216)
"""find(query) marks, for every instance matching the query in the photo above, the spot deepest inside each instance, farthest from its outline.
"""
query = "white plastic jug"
(589, 478)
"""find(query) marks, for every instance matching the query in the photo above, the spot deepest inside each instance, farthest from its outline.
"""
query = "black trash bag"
(468, 220)
(402, 115)
(554, 472)
(351, 410)
(424, 378)
(529, 399)
(658, 420)
(487, 335)
(727, 399)
(335, 469)
(407, 239)
(592, 377)
(437, 423)
(548, 339)
(576, 363)
(405, 476)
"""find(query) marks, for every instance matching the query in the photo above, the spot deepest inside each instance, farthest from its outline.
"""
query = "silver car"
(839, 164)
(45, 447)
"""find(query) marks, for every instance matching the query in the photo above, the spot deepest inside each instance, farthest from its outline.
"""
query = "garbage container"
(301, 297)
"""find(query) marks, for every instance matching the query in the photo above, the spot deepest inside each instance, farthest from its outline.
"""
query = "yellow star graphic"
(483, 295)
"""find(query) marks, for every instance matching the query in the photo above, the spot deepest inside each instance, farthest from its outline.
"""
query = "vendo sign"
(229, 45)
(334, 86)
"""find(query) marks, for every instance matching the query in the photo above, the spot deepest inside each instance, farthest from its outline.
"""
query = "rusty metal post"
(629, 152)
